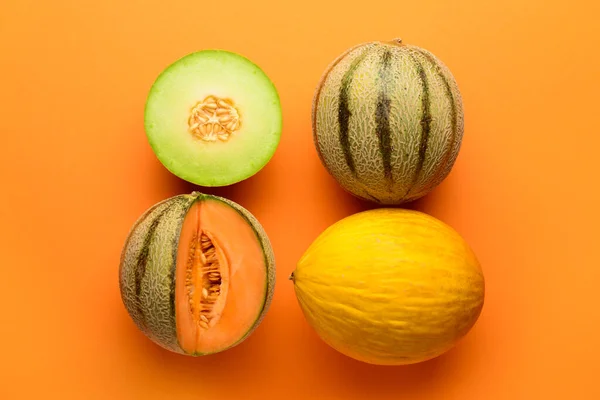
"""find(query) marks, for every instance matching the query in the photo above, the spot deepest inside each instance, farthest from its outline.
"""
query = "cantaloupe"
(390, 286)
(388, 121)
(197, 274)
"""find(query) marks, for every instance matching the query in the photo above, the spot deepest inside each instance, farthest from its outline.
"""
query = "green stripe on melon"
(388, 121)
(147, 270)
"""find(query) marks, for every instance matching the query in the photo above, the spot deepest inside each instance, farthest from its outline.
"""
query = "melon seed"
(204, 271)
(212, 116)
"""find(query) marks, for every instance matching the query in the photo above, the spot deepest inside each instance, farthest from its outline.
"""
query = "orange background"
(77, 171)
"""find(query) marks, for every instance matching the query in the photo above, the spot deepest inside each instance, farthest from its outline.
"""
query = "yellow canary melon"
(390, 286)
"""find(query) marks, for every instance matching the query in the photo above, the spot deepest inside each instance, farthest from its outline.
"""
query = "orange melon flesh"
(243, 278)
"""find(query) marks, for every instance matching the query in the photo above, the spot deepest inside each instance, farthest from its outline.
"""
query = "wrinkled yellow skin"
(390, 286)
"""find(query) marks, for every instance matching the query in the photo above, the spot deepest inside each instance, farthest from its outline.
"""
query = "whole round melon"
(388, 121)
(390, 286)
(197, 274)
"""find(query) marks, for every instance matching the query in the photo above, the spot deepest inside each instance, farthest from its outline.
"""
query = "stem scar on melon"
(206, 275)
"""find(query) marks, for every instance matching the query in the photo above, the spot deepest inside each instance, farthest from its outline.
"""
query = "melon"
(387, 121)
(213, 118)
(197, 274)
(390, 286)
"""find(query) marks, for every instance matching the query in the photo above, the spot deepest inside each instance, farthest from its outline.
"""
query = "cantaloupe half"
(197, 274)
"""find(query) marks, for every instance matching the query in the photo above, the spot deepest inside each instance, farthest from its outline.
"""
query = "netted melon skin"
(388, 121)
(148, 262)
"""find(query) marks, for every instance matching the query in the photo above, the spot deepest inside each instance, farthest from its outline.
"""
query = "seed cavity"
(203, 276)
(214, 119)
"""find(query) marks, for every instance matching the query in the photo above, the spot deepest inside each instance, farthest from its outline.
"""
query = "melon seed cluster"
(214, 118)
(203, 261)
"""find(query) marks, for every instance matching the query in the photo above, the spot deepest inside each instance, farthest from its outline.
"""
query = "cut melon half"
(213, 118)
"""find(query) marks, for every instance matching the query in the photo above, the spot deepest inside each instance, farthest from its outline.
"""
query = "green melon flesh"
(190, 80)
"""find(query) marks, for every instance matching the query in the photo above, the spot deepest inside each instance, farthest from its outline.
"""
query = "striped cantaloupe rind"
(388, 121)
(148, 262)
